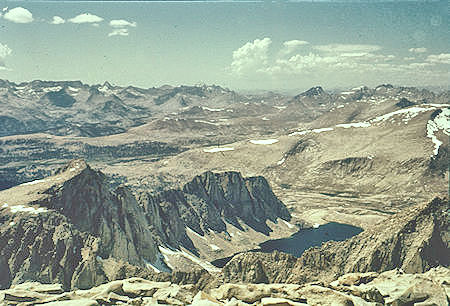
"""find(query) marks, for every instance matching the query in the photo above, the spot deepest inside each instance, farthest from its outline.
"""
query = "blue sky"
(242, 45)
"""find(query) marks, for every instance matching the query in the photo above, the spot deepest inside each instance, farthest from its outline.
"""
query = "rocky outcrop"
(232, 197)
(207, 202)
(73, 228)
(56, 229)
(414, 241)
(256, 267)
(388, 288)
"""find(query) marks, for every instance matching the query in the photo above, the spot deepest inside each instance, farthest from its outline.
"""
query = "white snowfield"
(205, 122)
(355, 124)
(311, 131)
(73, 89)
(159, 265)
(408, 112)
(188, 229)
(34, 182)
(214, 247)
(204, 264)
(212, 109)
(281, 161)
(288, 224)
(27, 209)
(54, 88)
(218, 149)
(440, 122)
(406, 115)
(264, 141)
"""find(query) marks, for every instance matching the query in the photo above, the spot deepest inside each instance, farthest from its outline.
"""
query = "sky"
(244, 45)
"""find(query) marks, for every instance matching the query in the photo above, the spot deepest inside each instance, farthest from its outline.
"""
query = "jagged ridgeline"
(73, 229)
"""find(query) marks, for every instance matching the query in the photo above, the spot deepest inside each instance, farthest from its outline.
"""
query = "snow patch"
(340, 106)
(12, 223)
(316, 225)
(322, 130)
(213, 109)
(5, 205)
(73, 89)
(55, 88)
(188, 229)
(311, 131)
(222, 149)
(214, 247)
(27, 209)
(206, 122)
(281, 161)
(408, 112)
(354, 124)
(34, 182)
(288, 224)
(265, 119)
(105, 90)
(159, 265)
(204, 264)
(440, 122)
(280, 107)
(264, 141)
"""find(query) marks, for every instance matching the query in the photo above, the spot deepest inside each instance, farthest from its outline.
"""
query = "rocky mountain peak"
(313, 92)
(250, 199)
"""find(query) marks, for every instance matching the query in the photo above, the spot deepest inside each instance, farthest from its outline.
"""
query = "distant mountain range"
(76, 109)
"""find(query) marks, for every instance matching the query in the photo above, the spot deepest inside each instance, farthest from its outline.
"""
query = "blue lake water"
(303, 240)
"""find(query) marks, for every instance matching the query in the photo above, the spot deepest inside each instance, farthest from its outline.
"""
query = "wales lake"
(303, 240)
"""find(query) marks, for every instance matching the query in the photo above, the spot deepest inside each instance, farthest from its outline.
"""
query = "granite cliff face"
(57, 227)
(72, 228)
(233, 197)
(414, 241)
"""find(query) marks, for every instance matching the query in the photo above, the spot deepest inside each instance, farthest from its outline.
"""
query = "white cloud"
(409, 58)
(121, 23)
(57, 20)
(19, 15)
(418, 50)
(292, 45)
(4, 52)
(86, 18)
(251, 56)
(341, 48)
(119, 32)
(443, 58)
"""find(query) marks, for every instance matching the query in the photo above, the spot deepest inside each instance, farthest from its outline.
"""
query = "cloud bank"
(340, 63)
